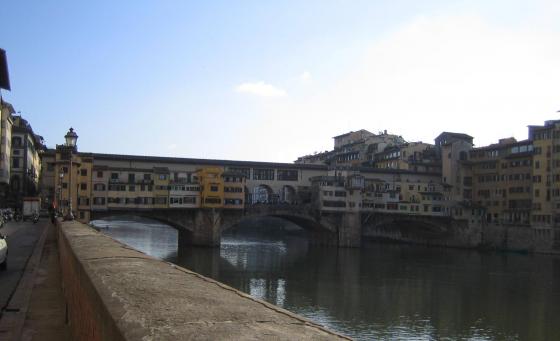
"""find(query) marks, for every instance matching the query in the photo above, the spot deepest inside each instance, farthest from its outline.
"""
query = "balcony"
(128, 182)
(145, 182)
(182, 181)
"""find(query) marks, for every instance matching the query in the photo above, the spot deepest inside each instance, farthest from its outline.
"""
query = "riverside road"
(31, 300)
(22, 238)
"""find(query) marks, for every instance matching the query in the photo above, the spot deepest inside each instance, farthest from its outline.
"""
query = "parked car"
(3, 253)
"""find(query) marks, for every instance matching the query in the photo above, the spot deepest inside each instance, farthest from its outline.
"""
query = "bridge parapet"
(300, 211)
(116, 293)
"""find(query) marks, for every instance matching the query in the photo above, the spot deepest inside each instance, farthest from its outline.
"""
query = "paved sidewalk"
(46, 317)
(39, 299)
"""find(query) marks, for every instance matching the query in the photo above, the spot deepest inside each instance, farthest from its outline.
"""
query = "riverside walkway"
(109, 291)
(35, 309)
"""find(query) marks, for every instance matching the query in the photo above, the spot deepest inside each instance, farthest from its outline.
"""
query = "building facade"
(354, 149)
(501, 180)
(510, 184)
(6, 112)
(546, 173)
(25, 160)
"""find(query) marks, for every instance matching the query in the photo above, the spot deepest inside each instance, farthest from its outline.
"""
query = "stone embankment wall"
(520, 238)
(114, 292)
(451, 233)
(463, 234)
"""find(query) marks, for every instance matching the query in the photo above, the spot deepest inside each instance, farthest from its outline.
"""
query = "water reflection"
(381, 291)
(148, 236)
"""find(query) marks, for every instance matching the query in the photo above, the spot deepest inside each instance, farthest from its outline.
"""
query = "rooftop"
(351, 132)
(192, 161)
(457, 135)
(504, 143)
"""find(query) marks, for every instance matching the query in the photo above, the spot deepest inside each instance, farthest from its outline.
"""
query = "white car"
(3, 253)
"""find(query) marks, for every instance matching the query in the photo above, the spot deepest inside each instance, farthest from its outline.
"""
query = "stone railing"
(114, 292)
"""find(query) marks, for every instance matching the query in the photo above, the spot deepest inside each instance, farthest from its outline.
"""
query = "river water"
(378, 292)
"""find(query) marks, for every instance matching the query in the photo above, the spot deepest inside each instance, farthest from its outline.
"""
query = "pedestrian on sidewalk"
(51, 213)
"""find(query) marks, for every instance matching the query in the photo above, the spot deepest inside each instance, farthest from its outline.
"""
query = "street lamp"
(71, 138)
(61, 175)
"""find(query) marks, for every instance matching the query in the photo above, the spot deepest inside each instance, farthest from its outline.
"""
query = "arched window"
(288, 195)
(262, 194)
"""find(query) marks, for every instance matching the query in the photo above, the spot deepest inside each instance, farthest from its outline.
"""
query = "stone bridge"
(204, 226)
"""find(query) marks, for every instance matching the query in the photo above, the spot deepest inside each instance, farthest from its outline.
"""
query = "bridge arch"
(161, 216)
(320, 230)
(288, 194)
(180, 220)
(408, 228)
(262, 194)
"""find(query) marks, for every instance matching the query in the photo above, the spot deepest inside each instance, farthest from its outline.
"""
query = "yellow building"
(546, 173)
(72, 179)
(502, 181)
(127, 188)
(72, 183)
(161, 187)
(234, 190)
(84, 186)
(211, 187)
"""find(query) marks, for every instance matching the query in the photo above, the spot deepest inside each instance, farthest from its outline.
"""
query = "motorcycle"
(7, 215)
(35, 218)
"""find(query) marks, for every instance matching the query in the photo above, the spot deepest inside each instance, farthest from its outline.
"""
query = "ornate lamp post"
(61, 175)
(71, 138)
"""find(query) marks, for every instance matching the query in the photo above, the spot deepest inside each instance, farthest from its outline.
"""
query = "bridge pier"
(205, 226)
(350, 230)
(339, 229)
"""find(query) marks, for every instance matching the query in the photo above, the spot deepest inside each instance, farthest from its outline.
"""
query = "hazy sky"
(273, 80)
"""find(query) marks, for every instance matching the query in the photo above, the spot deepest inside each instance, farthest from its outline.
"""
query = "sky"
(274, 80)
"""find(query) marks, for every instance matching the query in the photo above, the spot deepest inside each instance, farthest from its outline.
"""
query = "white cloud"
(172, 146)
(305, 77)
(455, 73)
(260, 89)
(434, 73)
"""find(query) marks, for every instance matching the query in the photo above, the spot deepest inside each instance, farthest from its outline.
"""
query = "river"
(378, 292)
